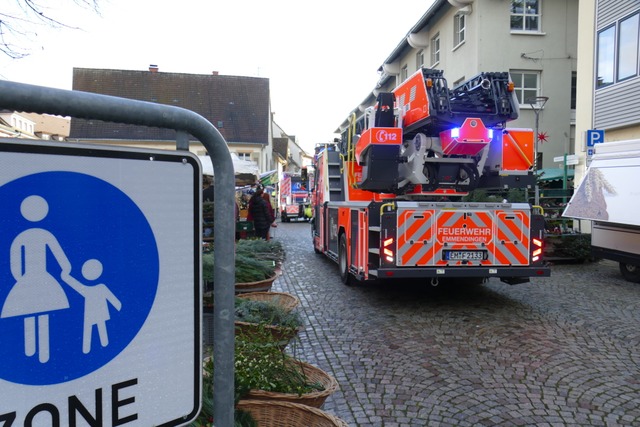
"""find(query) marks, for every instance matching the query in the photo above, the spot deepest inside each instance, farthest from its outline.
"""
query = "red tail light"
(536, 253)
(387, 249)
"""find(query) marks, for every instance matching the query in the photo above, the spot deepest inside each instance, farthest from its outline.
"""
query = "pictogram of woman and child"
(36, 292)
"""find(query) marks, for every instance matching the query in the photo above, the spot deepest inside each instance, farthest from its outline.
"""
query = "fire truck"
(390, 196)
(294, 197)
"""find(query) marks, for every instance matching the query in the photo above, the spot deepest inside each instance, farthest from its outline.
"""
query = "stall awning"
(269, 178)
(554, 174)
(246, 172)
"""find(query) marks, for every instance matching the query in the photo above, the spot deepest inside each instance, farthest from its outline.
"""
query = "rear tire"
(313, 240)
(630, 272)
(343, 262)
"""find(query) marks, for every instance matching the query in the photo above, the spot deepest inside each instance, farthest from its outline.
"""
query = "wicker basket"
(280, 335)
(314, 399)
(287, 414)
(287, 301)
(259, 286)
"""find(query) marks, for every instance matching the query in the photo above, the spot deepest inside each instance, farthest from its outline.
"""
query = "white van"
(609, 195)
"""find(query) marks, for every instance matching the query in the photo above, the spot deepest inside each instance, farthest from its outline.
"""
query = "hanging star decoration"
(543, 137)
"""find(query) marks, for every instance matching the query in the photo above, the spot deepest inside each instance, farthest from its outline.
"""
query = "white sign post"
(571, 159)
(99, 286)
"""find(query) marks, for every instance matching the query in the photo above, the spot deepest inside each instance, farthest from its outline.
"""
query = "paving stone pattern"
(560, 351)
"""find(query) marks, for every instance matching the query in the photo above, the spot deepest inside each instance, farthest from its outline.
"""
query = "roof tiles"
(237, 106)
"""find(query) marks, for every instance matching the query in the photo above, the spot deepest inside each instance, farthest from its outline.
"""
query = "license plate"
(465, 255)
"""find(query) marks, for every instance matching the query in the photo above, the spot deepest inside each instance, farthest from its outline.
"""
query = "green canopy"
(554, 174)
(269, 178)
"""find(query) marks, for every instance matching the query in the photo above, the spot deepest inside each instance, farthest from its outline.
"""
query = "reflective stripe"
(415, 237)
(512, 228)
(423, 235)
(285, 187)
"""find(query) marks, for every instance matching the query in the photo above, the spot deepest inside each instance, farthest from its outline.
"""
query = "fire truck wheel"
(343, 263)
(630, 272)
(313, 238)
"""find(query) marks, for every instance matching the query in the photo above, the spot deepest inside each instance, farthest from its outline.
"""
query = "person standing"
(260, 214)
(267, 198)
(207, 189)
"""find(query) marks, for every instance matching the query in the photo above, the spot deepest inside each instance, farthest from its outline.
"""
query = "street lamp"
(537, 104)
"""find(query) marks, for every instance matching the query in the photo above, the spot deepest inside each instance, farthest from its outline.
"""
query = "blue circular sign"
(79, 274)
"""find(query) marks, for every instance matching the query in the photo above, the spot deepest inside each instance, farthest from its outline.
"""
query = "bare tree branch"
(18, 27)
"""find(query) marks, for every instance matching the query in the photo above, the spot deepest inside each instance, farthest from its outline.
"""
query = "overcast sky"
(321, 57)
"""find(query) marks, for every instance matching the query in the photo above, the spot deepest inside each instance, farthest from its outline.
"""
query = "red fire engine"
(389, 199)
(294, 197)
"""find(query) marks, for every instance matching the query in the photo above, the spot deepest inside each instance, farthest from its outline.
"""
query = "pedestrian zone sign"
(99, 286)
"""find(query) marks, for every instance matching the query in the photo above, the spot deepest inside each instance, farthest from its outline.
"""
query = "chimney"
(153, 68)
(214, 73)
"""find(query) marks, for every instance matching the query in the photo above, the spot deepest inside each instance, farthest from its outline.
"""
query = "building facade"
(609, 87)
(239, 108)
(18, 124)
(534, 40)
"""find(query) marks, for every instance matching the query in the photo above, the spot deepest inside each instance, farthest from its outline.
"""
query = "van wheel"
(343, 262)
(630, 272)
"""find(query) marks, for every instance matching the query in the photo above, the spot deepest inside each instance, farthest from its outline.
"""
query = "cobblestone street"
(559, 351)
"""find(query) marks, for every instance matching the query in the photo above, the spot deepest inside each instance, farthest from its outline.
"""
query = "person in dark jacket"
(260, 214)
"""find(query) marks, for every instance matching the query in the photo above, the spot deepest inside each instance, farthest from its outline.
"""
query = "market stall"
(246, 175)
(246, 171)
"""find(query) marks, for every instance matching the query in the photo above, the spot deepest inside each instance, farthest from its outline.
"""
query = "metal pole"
(537, 103)
(43, 100)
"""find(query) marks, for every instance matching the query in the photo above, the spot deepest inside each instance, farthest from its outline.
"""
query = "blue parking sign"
(594, 136)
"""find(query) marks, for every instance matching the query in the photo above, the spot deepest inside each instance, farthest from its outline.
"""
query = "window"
(628, 48)
(419, 59)
(525, 15)
(244, 156)
(526, 85)
(617, 56)
(404, 73)
(574, 89)
(606, 57)
(435, 49)
(458, 29)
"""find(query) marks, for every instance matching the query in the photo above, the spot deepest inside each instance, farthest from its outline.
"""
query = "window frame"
(244, 155)
(435, 50)
(623, 53)
(525, 17)
(614, 63)
(419, 59)
(574, 90)
(611, 55)
(459, 29)
(522, 89)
